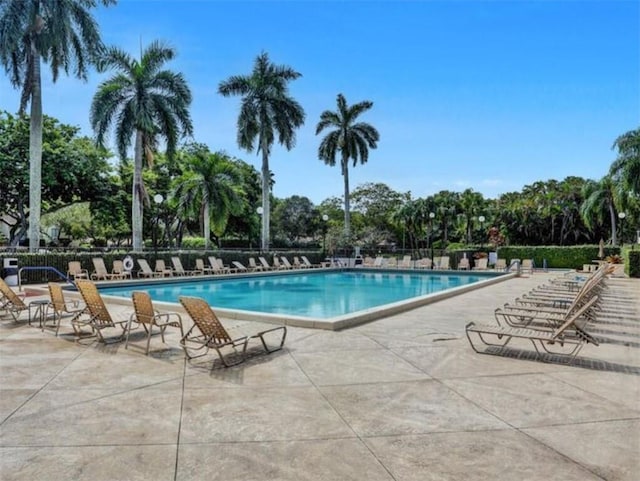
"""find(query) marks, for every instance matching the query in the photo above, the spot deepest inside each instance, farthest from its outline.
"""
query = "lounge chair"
(10, 301)
(99, 317)
(145, 269)
(570, 333)
(481, 264)
(218, 266)
(424, 263)
(201, 268)
(208, 332)
(119, 271)
(62, 308)
(392, 263)
(162, 270)
(463, 264)
(307, 263)
(100, 271)
(146, 316)
(278, 265)
(239, 267)
(253, 266)
(178, 269)
(297, 264)
(286, 263)
(444, 263)
(501, 265)
(405, 263)
(75, 271)
(264, 263)
(527, 266)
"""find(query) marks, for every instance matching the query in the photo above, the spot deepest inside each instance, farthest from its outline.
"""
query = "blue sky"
(488, 95)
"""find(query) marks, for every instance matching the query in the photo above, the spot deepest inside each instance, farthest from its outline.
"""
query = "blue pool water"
(308, 294)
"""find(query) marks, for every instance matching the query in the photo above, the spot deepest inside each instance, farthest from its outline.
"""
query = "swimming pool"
(319, 296)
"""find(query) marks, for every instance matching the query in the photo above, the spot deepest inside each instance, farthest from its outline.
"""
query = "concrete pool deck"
(401, 398)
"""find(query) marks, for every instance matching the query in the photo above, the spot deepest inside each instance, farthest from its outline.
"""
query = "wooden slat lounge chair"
(100, 271)
(463, 264)
(208, 332)
(10, 301)
(75, 271)
(99, 317)
(218, 266)
(62, 308)
(146, 316)
(145, 269)
(566, 340)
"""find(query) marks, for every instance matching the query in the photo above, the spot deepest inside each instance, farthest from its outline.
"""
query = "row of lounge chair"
(91, 318)
(214, 266)
(444, 263)
(553, 317)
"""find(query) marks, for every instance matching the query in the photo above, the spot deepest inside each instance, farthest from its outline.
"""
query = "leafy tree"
(73, 169)
(266, 109)
(352, 139)
(210, 189)
(61, 33)
(296, 217)
(145, 101)
(376, 202)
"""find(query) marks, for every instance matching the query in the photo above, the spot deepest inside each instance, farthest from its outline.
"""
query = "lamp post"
(260, 211)
(481, 219)
(158, 199)
(325, 218)
(432, 216)
(621, 216)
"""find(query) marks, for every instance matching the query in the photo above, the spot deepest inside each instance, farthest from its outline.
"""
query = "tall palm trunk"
(206, 220)
(35, 153)
(612, 215)
(265, 196)
(137, 190)
(347, 215)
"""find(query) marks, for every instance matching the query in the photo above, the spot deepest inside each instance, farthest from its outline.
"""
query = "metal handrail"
(42, 268)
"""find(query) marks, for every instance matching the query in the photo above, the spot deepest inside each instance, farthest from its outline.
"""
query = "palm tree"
(266, 109)
(353, 141)
(600, 200)
(627, 165)
(470, 204)
(63, 34)
(210, 190)
(144, 100)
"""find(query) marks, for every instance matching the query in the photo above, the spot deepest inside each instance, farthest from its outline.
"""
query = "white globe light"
(158, 198)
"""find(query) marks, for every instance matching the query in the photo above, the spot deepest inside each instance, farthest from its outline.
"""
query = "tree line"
(84, 196)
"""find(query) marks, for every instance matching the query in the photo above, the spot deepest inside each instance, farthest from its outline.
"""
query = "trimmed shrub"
(559, 257)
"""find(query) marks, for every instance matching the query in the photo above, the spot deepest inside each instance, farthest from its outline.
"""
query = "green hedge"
(559, 257)
(631, 258)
